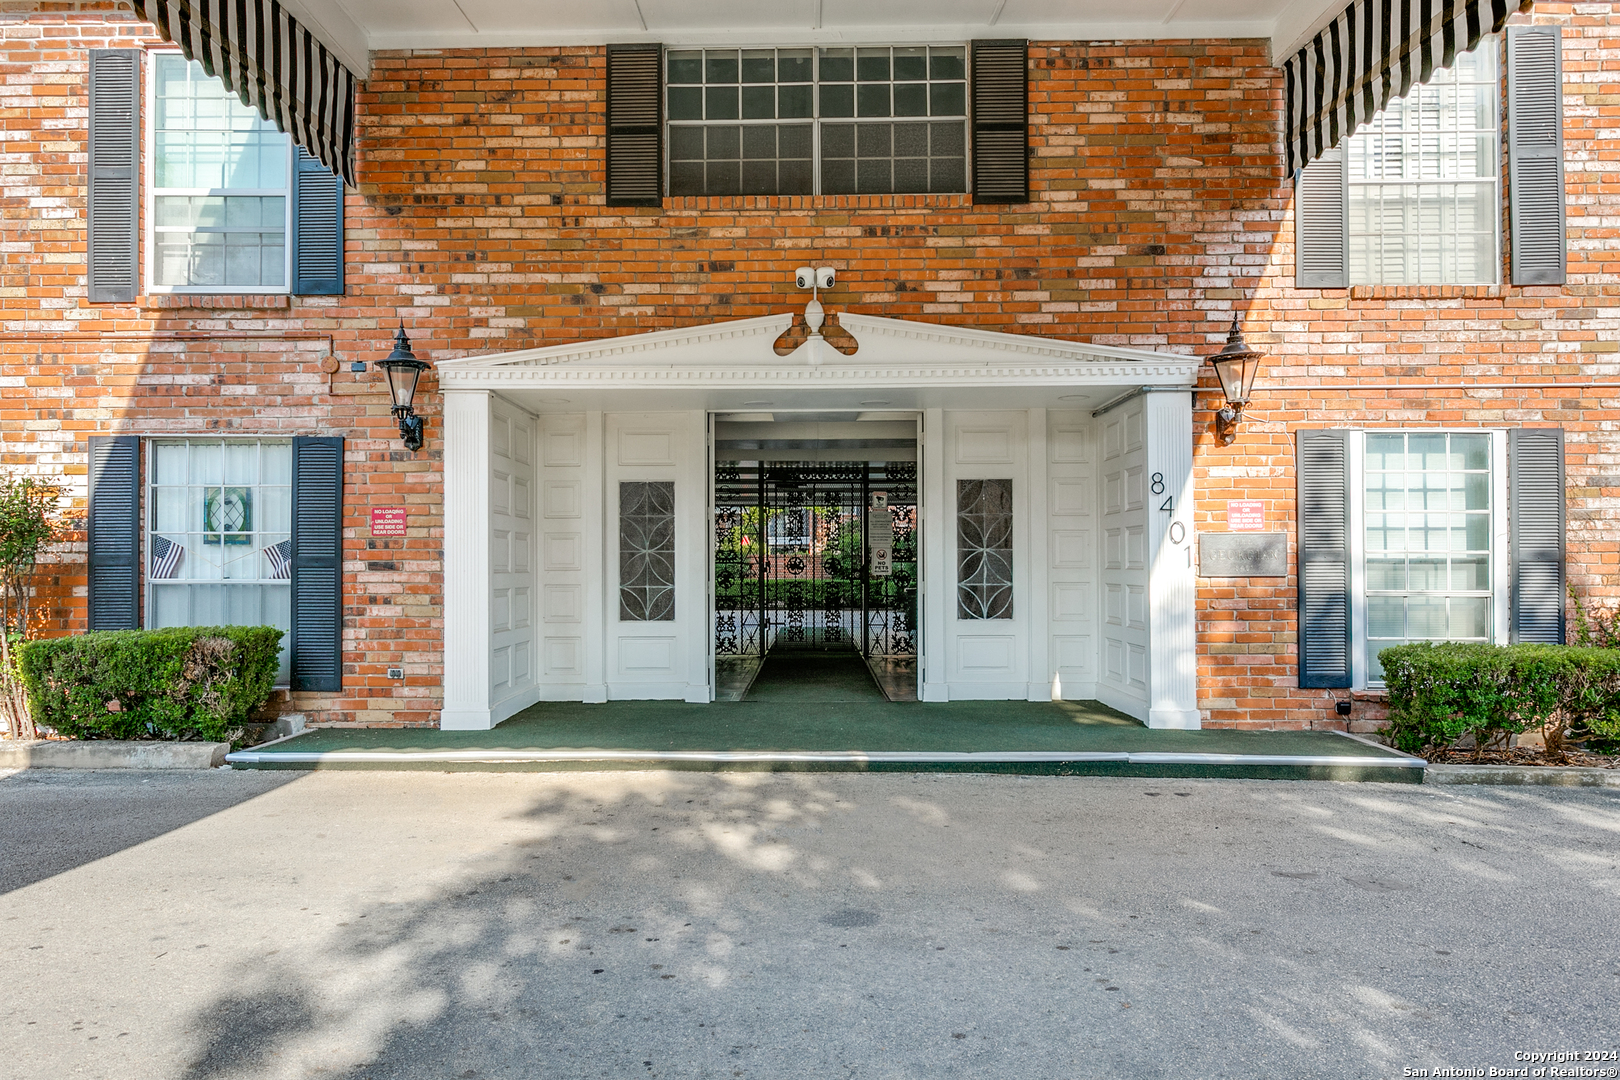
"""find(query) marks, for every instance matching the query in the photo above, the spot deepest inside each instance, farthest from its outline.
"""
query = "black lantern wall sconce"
(403, 370)
(1235, 366)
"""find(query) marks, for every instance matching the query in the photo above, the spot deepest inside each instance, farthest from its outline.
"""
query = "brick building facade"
(1159, 207)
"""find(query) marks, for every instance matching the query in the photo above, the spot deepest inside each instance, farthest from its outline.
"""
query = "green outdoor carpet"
(814, 675)
(824, 703)
(867, 725)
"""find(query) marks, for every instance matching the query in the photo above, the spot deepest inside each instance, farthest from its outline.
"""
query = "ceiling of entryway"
(352, 27)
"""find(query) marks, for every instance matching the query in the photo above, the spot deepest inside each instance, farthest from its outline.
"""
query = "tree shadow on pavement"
(53, 820)
(713, 925)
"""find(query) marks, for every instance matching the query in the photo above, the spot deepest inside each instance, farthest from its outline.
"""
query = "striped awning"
(274, 65)
(1372, 53)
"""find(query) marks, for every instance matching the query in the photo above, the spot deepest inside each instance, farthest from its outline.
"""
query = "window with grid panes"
(1424, 205)
(218, 539)
(1427, 539)
(805, 121)
(219, 199)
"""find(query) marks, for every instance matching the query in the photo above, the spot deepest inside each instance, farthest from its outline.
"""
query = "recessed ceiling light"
(553, 401)
(1075, 397)
(756, 404)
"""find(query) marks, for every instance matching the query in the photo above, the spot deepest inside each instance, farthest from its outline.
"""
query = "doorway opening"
(815, 577)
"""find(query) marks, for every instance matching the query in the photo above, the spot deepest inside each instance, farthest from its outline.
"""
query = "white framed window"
(1424, 184)
(817, 121)
(218, 187)
(218, 537)
(1429, 540)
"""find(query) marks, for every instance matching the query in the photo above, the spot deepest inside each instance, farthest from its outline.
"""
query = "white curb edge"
(251, 757)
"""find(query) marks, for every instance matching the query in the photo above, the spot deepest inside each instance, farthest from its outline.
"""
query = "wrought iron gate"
(790, 557)
(891, 602)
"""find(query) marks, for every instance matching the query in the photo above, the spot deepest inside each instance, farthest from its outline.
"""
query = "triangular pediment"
(891, 352)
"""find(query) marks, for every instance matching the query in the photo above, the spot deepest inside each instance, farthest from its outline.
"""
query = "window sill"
(227, 301)
(812, 202)
(1429, 292)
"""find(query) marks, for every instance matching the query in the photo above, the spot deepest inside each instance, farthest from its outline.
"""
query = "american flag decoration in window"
(280, 556)
(166, 558)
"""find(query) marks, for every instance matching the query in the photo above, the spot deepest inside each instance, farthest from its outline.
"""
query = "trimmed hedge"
(1439, 693)
(192, 682)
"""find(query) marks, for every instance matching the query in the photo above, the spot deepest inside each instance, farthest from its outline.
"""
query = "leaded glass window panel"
(984, 557)
(647, 551)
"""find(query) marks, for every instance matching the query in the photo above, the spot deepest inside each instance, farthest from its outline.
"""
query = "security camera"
(825, 276)
(804, 277)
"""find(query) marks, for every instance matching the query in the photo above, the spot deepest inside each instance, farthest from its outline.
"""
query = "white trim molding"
(893, 353)
(467, 563)
(1172, 586)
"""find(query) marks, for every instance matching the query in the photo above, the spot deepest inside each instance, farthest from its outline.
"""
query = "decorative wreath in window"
(228, 515)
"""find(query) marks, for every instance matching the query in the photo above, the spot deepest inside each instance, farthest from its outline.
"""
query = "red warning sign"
(387, 521)
(1246, 515)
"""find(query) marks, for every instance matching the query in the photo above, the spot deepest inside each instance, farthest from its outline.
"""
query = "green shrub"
(193, 682)
(28, 524)
(1440, 692)
(812, 593)
(1597, 626)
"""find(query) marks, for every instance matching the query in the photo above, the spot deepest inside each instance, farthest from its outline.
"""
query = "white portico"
(557, 459)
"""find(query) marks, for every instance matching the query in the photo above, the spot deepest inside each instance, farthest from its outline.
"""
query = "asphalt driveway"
(651, 924)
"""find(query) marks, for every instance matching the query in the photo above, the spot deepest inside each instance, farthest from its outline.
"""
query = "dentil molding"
(893, 352)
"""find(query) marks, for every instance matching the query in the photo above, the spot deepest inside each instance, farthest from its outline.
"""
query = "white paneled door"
(511, 558)
(986, 558)
(564, 551)
(1071, 522)
(1125, 488)
(656, 501)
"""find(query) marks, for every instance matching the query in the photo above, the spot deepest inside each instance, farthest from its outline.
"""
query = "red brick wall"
(1159, 208)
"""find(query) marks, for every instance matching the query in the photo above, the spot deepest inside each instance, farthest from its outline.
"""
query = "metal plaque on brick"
(387, 521)
(1243, 554)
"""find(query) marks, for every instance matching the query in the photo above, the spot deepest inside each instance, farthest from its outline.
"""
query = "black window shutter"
(635, 136)
(1000, 121)
(317, 564)
(1536, 154)
(1536, 528)
(114, 213)
(113, 532)
(1321, 223)
(317, 230)
(1322, 472)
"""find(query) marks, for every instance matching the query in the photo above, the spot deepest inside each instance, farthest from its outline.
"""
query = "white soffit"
(331, 23)
(893, 353)
(455, 24)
